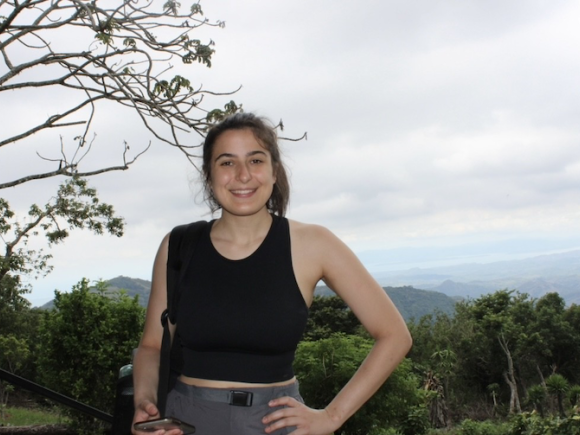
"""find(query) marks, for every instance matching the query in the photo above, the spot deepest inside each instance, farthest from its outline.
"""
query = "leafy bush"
(325, 366)
(83, 343)
(530, 423)
(417, 421)
(471, 427)
(574, 395)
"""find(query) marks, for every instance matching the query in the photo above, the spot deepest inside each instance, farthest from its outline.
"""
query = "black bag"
(182, 242)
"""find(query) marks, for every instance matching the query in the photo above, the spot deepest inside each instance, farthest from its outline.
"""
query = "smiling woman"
(242, 175)
(244, 302)
(262, 140)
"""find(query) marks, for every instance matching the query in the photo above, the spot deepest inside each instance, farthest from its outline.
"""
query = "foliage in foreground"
(84, 341)
(527, 423)
(530, 423)
(326, 365)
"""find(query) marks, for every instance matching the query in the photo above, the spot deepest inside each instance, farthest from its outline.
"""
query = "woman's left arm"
(342, 271)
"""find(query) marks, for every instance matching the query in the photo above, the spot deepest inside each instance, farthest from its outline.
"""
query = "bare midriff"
(209, 383)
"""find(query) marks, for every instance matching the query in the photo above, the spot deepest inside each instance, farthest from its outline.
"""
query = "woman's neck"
(242, 229)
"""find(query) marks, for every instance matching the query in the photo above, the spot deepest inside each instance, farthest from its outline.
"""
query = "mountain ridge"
(412, 303)
(536, 276)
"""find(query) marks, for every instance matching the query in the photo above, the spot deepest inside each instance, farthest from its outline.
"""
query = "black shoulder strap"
(182, 242)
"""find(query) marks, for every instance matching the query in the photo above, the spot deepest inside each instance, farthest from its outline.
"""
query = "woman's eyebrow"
(224, 155)
(230, 155)
(253, 153)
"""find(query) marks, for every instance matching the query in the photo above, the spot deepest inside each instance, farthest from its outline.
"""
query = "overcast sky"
(447, 129)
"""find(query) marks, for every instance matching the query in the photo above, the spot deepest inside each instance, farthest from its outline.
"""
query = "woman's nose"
(244, 174)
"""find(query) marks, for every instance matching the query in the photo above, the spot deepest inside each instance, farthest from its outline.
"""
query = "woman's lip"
(242, 192)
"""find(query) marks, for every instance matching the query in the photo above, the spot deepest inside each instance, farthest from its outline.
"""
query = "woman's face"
(242, 174)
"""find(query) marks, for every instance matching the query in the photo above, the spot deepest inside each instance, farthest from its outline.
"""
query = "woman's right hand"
(146, 410)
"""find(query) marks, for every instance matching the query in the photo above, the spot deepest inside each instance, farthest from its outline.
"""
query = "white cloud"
(429, 123)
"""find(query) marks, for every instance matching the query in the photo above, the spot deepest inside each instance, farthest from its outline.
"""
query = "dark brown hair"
(266, 135)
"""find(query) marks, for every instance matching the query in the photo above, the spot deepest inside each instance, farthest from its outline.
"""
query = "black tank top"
(241, 320)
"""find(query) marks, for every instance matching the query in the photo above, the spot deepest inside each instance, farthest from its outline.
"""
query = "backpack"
(182, 242)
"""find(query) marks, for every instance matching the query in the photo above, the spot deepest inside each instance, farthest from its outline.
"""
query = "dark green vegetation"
(83, 343)
(76, 348)
(503, 364)
(503, 356)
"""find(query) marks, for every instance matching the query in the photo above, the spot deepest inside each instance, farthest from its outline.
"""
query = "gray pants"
(210, 411)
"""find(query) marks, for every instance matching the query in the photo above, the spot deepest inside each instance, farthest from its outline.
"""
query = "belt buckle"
(241, 398)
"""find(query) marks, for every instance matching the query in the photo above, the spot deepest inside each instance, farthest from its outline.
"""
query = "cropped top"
(241, 320)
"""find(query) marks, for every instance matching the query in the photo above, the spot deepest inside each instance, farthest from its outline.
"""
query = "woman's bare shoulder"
(311, 232)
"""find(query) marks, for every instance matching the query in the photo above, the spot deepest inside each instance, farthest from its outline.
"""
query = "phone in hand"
(165, 424)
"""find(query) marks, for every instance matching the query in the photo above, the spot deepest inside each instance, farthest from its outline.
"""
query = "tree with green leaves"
(329, 315)
(77, 58)
(559, 345)
(558, 386)
(574, 395)
(537, 398)
(499, 343)
(84, 341)
(13, 354)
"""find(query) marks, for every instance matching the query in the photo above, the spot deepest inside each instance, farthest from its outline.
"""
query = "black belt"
(237, 397)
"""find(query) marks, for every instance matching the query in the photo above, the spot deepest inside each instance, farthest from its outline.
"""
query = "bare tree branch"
(126, 60)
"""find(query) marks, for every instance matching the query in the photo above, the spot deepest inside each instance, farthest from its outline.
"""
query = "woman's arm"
(325, 256)
(146, 361)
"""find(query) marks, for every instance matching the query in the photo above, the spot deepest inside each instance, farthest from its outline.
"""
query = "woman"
(244, 306)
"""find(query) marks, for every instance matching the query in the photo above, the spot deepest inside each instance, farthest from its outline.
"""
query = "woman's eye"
(226, 163)
(256, 161)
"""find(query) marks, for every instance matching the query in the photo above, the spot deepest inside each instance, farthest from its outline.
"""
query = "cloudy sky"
(438, 132)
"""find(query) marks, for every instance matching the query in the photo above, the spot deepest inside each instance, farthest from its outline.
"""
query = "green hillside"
(411, 302)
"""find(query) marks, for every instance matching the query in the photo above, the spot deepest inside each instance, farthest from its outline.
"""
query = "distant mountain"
(452, 288)
(536, 276)
(411, 302)
(133, 287)
(415, 303)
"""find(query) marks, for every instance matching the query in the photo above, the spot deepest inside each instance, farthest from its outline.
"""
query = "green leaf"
(129, 42)
(171, 6)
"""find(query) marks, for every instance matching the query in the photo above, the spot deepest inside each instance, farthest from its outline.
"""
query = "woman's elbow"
(398, 338)
(407, 340)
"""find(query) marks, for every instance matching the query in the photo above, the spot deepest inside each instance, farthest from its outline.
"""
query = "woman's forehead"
(238, 142)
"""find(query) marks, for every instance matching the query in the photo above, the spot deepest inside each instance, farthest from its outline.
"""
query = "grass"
(28, 417)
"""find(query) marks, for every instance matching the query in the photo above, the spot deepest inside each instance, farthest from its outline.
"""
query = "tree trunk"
(561, 405)
(510, 377)
(542, 380)
(438, 412)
